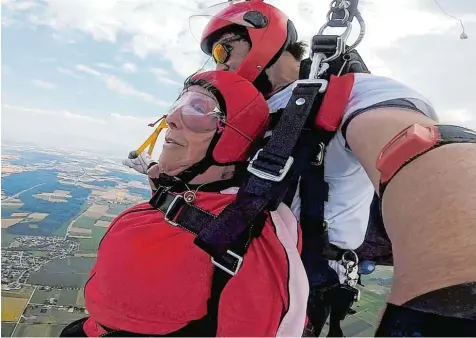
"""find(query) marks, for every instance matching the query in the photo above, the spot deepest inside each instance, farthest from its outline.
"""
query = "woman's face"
(192, 124)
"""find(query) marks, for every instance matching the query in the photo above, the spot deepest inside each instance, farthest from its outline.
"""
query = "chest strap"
(178, 213)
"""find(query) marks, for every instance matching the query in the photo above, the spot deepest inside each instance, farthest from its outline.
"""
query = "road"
(22, 312)
(21, 192)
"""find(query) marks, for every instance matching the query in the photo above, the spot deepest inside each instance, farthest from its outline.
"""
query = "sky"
(91, 74)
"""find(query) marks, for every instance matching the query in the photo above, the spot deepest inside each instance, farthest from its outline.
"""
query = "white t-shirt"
(350, 189)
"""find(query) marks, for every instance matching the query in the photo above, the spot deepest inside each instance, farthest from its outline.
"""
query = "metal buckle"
(320, 155)
(324, 84)
(267, 176)
(341, 41)
(168, 218)
(351, 252)
(237, 267)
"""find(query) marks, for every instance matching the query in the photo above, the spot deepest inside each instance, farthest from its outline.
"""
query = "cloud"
(129, 68)
(412, 40)
(87, 70)
(162, 76)
(458, 116)
(105, 65)
(443, 70)
(115, 84)
(56, 113)
(159, 71)
(162, 27)
(68, 72)
(113, 134)
(43, 84)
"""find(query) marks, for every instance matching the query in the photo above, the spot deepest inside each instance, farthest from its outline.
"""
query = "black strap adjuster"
(224, 264)
(268, 175)
(173, 209)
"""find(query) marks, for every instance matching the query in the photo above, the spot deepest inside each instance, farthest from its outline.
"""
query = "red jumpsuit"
(151, 278)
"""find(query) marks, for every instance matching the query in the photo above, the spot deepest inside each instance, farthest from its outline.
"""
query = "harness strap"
(178, 212)
(273, 168)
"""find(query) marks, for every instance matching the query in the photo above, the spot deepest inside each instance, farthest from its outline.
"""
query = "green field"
(106, 218)
(24, 292)
(38, 330)
(7, 329)
(85, 222)
(61, 231)
(69, 272)
(40, 296)
(51, 316)
(116, 209)
(91, 244)
(68, 297)
(7, 238)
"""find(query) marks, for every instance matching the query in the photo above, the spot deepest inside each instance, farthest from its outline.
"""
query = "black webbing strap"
(314, 193)
(185, 215)
(272, 171)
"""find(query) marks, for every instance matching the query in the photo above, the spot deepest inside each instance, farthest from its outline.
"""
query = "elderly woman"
(150, 278)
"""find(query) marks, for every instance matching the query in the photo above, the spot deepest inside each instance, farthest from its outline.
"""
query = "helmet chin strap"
(263, 84)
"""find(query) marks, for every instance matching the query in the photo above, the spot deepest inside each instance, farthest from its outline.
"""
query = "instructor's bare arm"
(429, 207)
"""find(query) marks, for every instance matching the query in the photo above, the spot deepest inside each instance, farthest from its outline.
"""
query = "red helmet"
(269, 30)
(246, 113)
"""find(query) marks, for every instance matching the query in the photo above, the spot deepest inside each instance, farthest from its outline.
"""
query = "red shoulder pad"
(335, 100)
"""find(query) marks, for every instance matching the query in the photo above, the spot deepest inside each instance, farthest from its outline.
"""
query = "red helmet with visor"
(269, 30)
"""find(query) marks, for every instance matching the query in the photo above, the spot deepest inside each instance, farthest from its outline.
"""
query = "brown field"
(79, 236)
(96, 211)
(8, 222)
(14, 203)
(38, 216)
(87, 255)
(19, 214)
(61, 193)
(117, 195)
(12, 308)
(48, 196)
(80, 230)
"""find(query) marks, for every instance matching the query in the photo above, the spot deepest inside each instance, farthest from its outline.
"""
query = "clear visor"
(198, 111)
(226, 11)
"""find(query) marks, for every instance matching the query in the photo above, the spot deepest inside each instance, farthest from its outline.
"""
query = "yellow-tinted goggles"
(222, 50)
(221, 53)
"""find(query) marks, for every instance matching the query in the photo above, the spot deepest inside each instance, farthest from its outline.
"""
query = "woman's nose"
(173, 119)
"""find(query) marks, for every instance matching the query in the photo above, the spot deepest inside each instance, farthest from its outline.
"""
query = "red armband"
(415, 141)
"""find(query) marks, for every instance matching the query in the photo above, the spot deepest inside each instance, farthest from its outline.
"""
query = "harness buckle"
(237, 266)
(172, 210)
(320, 155)
(323, 84)
(267, 175)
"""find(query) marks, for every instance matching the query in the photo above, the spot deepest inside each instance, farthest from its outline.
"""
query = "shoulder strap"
(273, 168)
(180, 213)
(313, 189)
